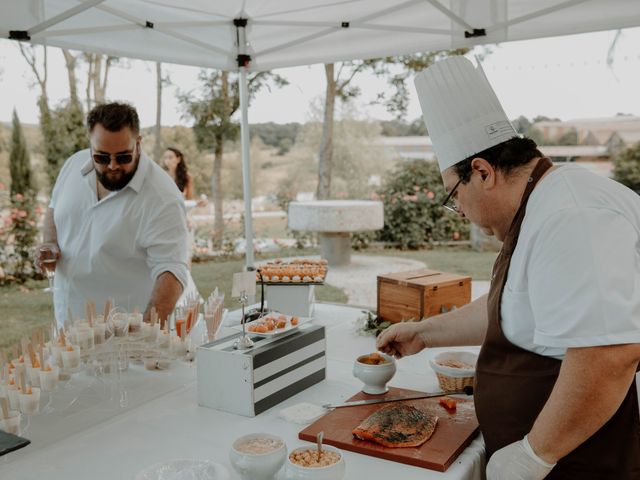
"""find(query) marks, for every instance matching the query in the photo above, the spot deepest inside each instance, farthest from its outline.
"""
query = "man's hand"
(401, 339)
(165, 294)
(517, 461)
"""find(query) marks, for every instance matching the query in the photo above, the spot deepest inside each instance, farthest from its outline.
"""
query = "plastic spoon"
(319, 439)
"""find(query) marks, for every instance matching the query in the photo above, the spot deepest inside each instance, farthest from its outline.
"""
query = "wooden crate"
(418, 294)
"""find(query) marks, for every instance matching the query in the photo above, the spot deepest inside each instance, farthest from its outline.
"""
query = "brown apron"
(513, 384)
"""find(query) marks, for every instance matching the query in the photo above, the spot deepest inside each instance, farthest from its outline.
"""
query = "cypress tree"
(19, 161)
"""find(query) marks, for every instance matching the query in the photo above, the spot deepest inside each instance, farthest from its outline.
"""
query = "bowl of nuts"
(304, 463)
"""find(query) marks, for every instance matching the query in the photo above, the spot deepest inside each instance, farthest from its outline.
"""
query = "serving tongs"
(466, 391)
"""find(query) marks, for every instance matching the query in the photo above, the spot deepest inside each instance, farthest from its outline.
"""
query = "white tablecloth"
(162, 420)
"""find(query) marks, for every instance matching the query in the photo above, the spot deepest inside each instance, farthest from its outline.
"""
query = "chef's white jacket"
(574, 277)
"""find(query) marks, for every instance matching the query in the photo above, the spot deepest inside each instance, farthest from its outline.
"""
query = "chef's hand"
(401, 339)
(517, 461)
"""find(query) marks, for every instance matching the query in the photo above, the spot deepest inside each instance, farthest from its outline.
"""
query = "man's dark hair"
(506, 157)
(114, 117)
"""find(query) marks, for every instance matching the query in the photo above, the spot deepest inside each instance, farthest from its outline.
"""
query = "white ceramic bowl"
(260, 466)
(331, 472)
(375, 377)
(439, 363)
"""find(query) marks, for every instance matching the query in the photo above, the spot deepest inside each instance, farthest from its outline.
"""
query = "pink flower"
(413, 198)
(22, 214)
(430, 195)
(416, 188)
(19, 196)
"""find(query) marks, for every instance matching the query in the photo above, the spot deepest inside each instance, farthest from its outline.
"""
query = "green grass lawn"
(25, 308)
(461, 260)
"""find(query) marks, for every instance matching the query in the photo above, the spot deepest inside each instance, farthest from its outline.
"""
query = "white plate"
(277, 331)
(185, 470)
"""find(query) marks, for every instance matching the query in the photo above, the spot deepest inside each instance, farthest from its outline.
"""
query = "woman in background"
(177, 169)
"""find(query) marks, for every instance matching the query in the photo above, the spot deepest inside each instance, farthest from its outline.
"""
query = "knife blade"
(466, 391)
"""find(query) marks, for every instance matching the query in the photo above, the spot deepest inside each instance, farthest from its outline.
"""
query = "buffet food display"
(99, 345)
(296, 271)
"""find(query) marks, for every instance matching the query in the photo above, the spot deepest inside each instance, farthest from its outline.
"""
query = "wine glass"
(48, 254)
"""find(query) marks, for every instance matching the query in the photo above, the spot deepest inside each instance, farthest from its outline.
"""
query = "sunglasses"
(105, 158)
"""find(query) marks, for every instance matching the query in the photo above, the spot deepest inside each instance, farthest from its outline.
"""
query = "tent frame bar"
(61, 17)
(536, 14)
(243, 60)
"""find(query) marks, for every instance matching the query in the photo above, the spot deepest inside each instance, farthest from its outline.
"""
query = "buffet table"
(159, 419)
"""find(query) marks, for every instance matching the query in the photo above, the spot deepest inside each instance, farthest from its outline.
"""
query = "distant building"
(410, 148)
(590, 131)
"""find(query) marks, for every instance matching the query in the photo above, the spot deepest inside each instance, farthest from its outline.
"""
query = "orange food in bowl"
(373, 359)
(294, 321)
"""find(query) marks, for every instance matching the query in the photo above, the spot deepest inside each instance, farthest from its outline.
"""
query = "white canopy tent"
(255, 35)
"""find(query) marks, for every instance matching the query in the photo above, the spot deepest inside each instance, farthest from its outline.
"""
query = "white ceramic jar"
(257, 466)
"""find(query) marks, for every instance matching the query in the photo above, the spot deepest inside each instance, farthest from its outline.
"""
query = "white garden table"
(100, 440)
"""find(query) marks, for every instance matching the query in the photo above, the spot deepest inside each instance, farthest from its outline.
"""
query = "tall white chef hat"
(461, 110)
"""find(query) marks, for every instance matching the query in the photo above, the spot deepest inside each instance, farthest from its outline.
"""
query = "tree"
(396, 69)
(211, 111)
(627, 168)
(19, 161)
(98, 67)
(23, 229)
(157, 148)
(62, 128)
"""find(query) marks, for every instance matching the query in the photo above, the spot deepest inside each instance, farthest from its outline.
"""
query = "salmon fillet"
(397, 425)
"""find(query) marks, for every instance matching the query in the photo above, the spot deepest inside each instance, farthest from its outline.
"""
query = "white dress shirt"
(574, 277)
(118, 246)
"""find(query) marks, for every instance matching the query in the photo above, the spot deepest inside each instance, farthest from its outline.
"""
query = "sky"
(565, 77)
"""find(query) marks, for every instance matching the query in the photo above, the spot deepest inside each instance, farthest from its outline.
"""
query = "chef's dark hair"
(506, 157)
(114, 117)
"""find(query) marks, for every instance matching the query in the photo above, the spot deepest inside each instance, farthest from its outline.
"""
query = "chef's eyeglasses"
(105, 158)
(449, 202)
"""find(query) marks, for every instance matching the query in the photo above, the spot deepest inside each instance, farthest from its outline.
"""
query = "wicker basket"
(450, 378)
(454, 384)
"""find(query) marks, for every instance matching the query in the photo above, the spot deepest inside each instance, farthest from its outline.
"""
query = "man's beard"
(119, 183)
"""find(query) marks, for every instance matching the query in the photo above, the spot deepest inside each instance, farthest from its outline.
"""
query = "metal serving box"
(291, 299)
(248, 382)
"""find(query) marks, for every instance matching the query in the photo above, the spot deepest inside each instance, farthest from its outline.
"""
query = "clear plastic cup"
(34, 375)
(49, 379)
(11, 424)
(56, 353)
(14, 399)
(70, 358)
(30, 402)
(85, 338)
(99, 333)
(150, 332)
(120, 324)
(135, 322)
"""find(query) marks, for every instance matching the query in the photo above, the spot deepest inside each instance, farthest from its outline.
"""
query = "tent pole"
(246, 171)
(243, 64)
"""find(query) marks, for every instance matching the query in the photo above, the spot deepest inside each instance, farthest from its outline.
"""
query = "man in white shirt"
(119, 222)
(555, 391)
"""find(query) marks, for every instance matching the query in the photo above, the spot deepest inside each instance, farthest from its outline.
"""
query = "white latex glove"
(517, 461)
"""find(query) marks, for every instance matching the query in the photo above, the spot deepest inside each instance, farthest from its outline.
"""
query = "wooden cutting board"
(453, 433)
